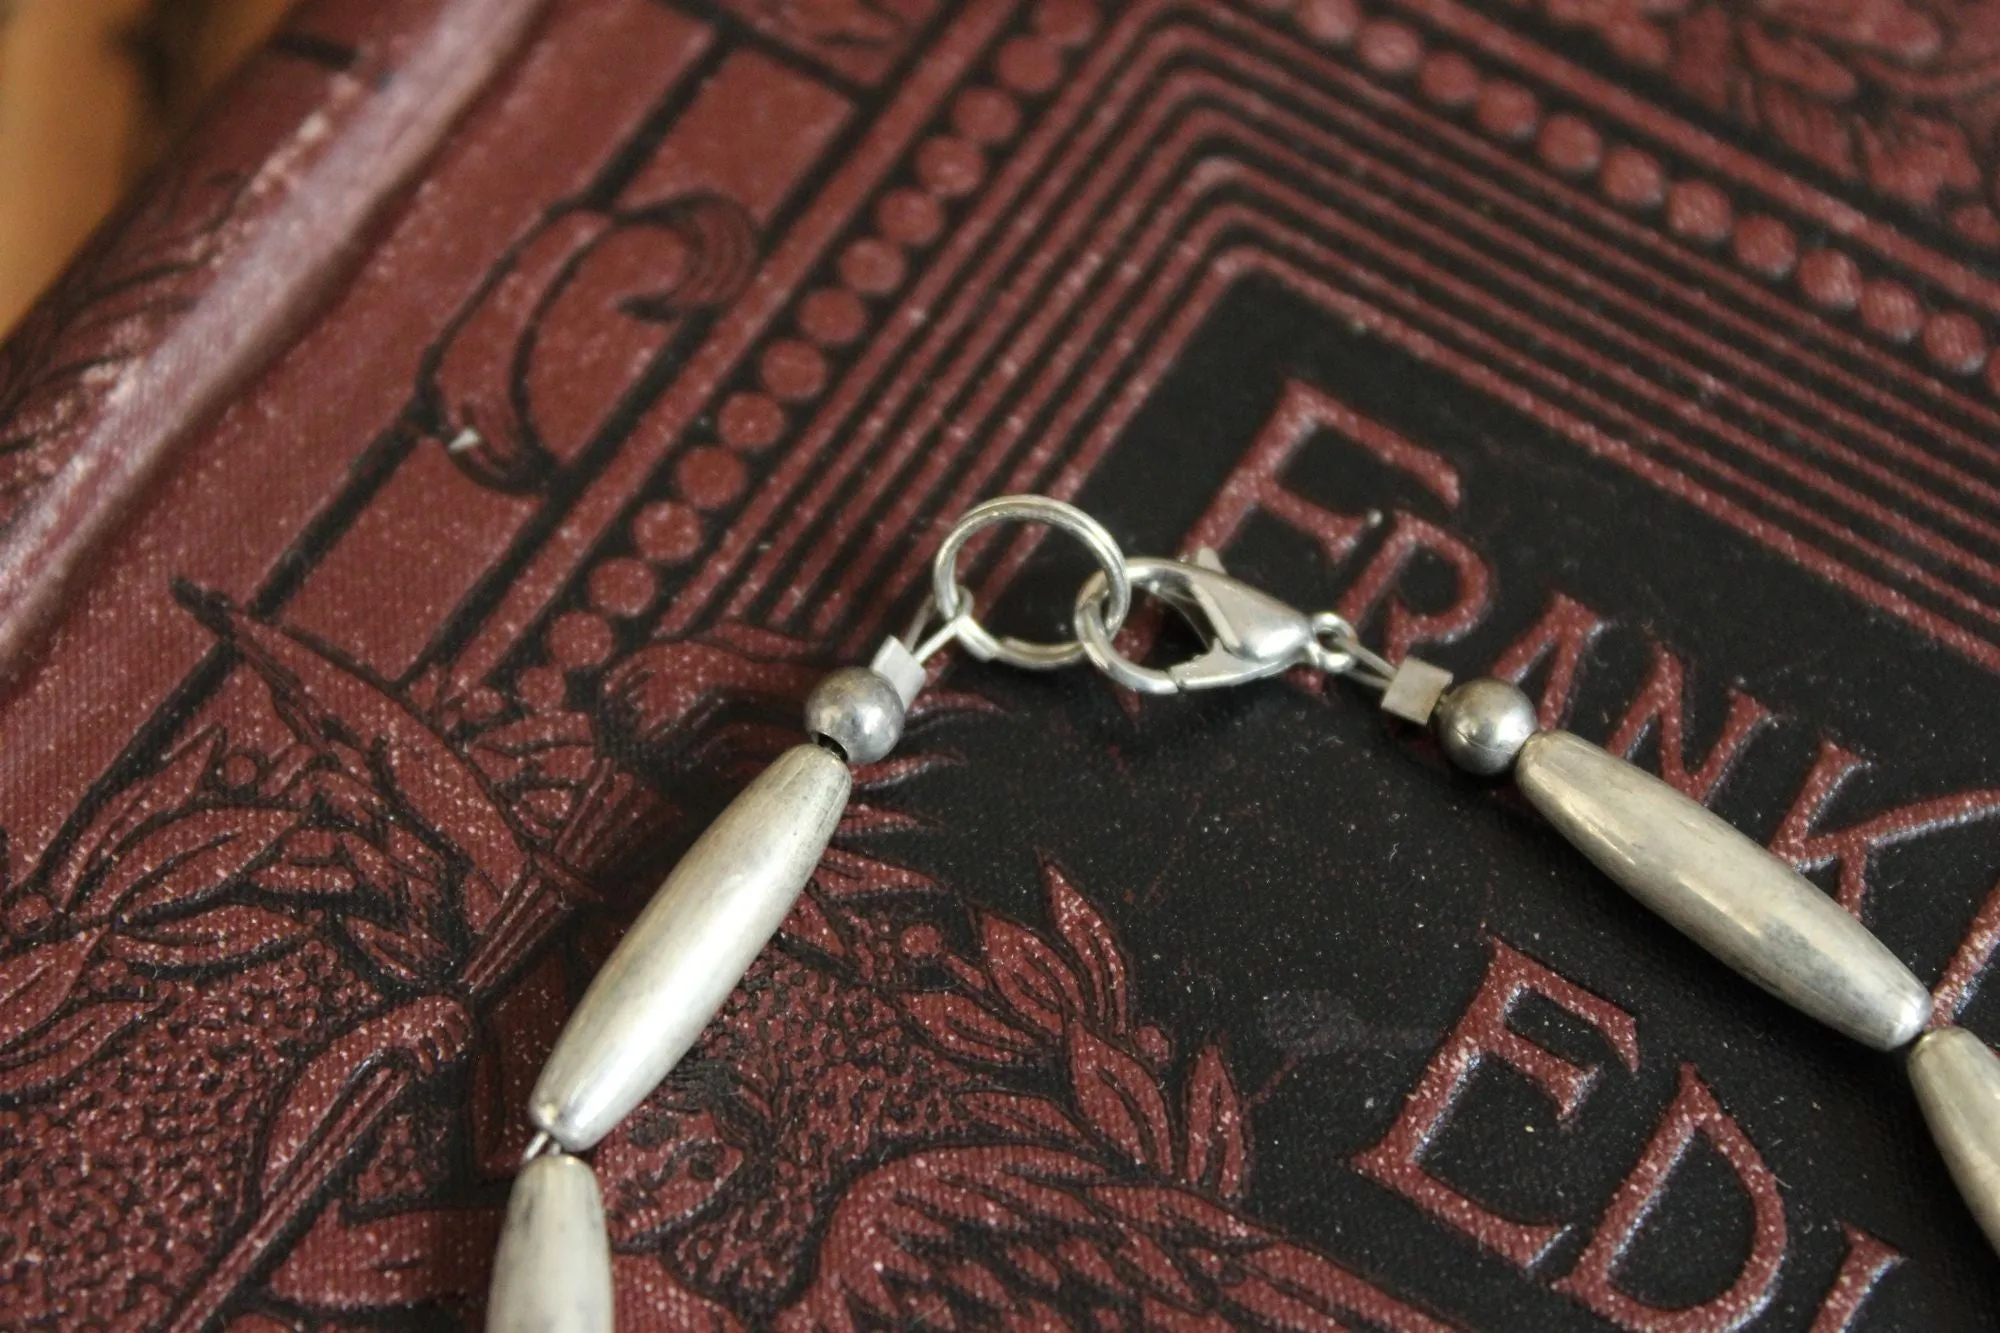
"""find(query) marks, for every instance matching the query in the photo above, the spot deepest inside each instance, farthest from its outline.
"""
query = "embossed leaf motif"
(1073, 1006)
(1891, 28)
(1894, 94)
(897, 769)
(860, 819)
(808, 924)
(1217, 1151)
(1089, 940)
(1033, 978)
(412, 958)
(360, 723)
(1120, 1099)
(35, 982)
(1915, 157)
(232, 933)
(173, 786)
(1020, 1118)
(664, 692)
(1799, 62)
(169, 789)
(1039, 1238)
(313, 864)
(966, 1028)
(178, 864)
(422, 1035)
(848, 874)
(51, 1055)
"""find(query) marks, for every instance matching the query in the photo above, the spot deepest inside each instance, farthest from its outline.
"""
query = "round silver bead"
(858, 713)
(1483, 724)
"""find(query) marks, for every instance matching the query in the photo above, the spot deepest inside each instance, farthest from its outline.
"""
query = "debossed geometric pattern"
(1641, 353)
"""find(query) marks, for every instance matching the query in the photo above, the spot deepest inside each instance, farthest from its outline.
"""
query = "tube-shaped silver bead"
(1957, 1078)
(553, 1271)
(1723, 891)
(689, 948)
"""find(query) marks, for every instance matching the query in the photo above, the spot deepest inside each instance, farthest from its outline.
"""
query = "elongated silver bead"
(553, 1271)
(1957, 1078)
(690, 947)
(1723, 891)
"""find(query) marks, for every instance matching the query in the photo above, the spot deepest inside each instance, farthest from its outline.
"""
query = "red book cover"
(437, 494)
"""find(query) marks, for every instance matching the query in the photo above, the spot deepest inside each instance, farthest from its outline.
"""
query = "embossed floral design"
(885, 1130)
(913, 1110)
(871, 1039)
(1902, 98)
(912, 1106)
(337, 885)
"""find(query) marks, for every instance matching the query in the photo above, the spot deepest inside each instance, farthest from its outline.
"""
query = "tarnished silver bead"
(857, 711)
(553, 1270)
(1483, 724)
(1723, 891)
(688, 949)
(1957, 1079)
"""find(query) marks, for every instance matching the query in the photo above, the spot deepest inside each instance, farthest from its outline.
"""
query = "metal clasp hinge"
(1249, 633)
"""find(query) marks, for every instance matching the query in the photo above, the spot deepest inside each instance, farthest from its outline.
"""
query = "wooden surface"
(90, 92)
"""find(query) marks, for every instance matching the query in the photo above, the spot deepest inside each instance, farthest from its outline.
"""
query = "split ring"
(956, 607)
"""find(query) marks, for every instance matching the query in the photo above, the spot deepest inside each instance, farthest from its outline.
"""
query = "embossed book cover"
(435, 498)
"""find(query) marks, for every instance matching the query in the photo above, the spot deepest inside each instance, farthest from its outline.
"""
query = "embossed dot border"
(947, 166)
(1696, 212)
(791, 370)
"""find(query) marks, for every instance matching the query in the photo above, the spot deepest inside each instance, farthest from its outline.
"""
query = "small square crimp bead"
(895, 663)
(1415, 690)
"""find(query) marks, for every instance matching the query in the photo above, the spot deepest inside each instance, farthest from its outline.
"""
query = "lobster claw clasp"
(1250, 634)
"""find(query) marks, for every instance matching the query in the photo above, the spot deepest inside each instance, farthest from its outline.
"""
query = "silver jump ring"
(956, 608)
(1095, 634)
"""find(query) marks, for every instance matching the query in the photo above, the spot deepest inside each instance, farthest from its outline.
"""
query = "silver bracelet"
(725, 899)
